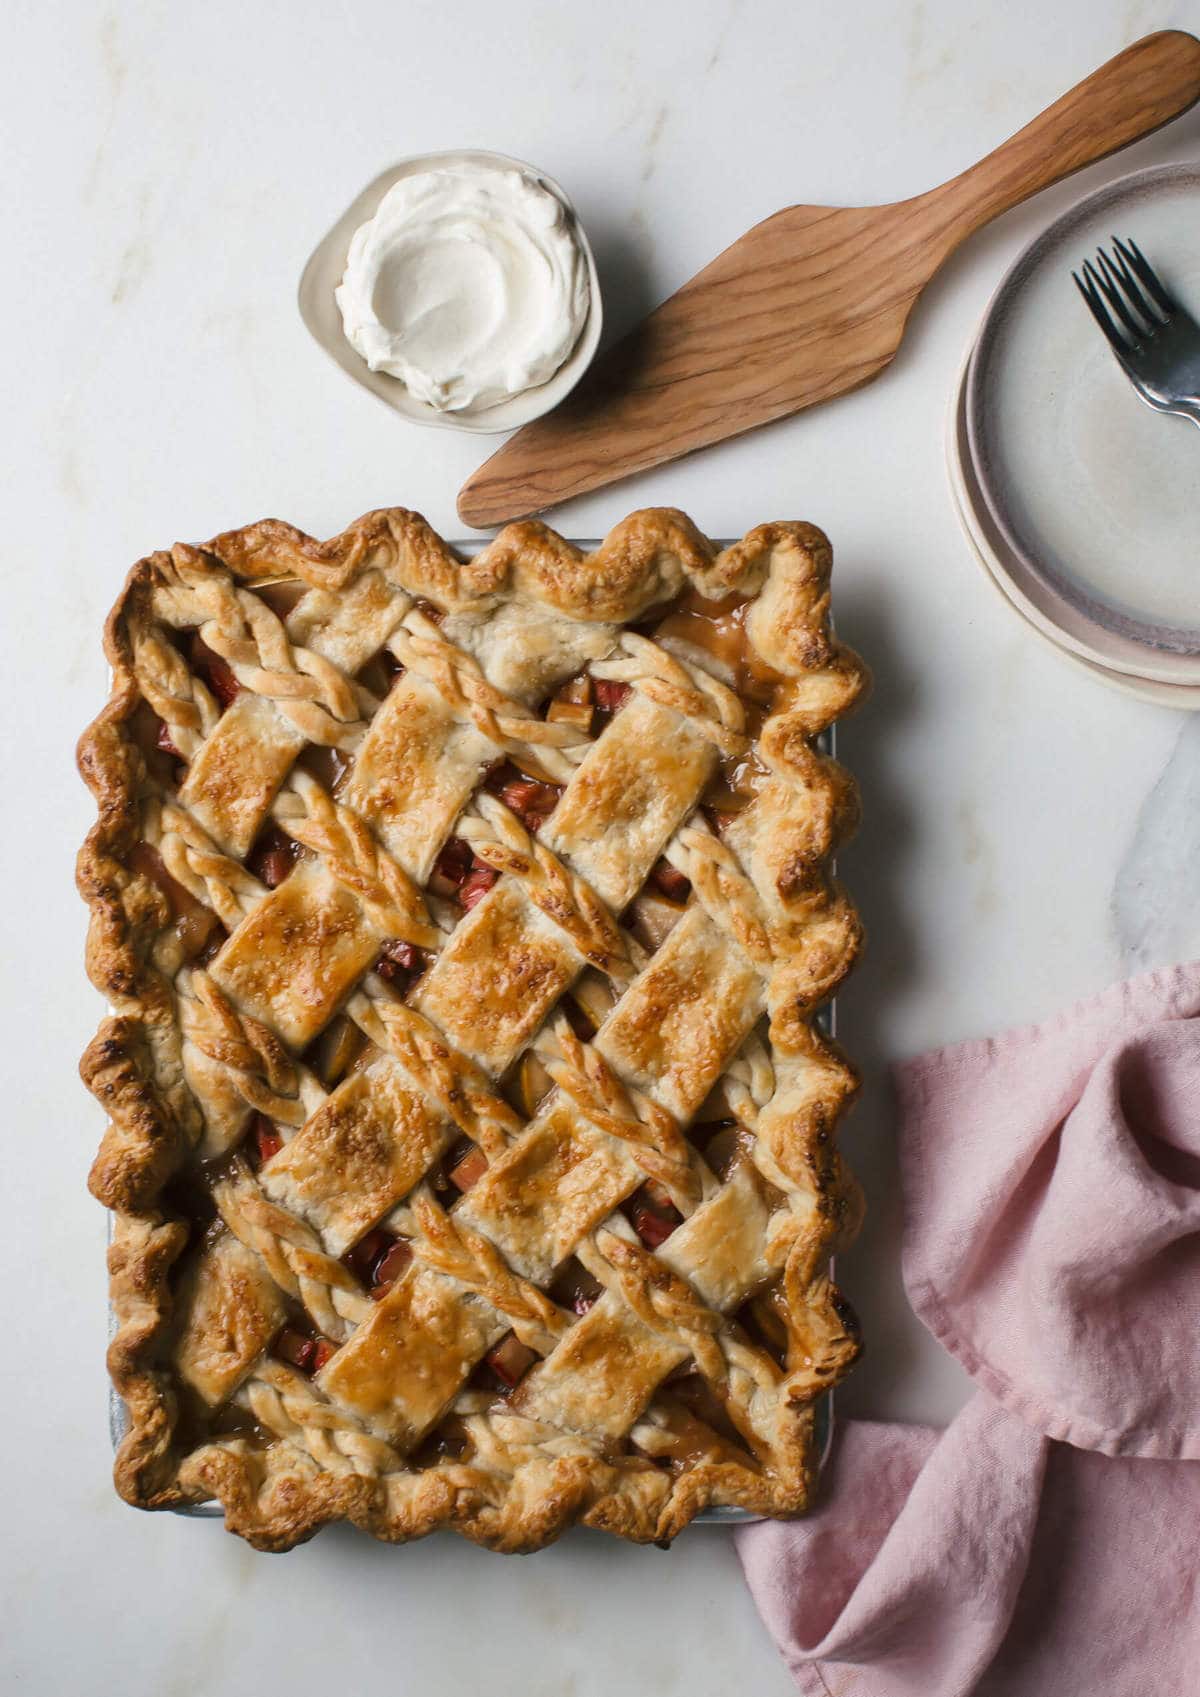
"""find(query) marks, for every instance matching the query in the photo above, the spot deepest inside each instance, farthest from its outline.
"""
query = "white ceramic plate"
(1094, 500)
(989, 550)
(323, 320)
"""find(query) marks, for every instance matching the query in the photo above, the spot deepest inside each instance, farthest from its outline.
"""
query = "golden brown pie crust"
(595, 1431)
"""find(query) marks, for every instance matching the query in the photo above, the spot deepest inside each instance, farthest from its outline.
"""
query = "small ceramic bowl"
(326, 266)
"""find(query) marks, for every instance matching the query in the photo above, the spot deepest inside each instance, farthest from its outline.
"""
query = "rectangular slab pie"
(464, 922)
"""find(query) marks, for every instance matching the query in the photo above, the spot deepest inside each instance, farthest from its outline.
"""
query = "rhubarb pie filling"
(465, 924)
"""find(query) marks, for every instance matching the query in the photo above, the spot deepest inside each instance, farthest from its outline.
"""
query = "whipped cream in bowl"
(461, 289)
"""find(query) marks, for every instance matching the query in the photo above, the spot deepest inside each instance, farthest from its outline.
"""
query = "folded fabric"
(1048, 1540)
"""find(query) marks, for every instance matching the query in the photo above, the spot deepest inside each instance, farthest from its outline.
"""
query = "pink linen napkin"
(1049, 1540)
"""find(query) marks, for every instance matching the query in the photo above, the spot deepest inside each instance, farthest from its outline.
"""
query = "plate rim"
(1174, 696)
(1135, 647)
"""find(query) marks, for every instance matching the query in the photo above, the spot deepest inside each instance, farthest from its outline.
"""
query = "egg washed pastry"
(463, 923)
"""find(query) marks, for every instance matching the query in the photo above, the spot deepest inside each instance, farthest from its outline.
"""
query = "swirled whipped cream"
(468, 285)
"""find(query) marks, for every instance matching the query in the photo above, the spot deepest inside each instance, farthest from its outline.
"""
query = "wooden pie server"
(811, 302)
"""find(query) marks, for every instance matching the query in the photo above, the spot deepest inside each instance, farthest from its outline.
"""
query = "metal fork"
(1156, 341)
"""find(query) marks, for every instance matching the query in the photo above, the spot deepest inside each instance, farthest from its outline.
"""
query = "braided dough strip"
(351, 853)
(727, 895)
(693, 693)
(420, 646)
(461, 1089)
(292, 1407)
(293, 1254)
(650, 1131)
(500, 840)
(749, 1082)
(325, 706)
(664, 1302)
(254, 1060)
(465, 1255)
(176, 694)
(194, 860)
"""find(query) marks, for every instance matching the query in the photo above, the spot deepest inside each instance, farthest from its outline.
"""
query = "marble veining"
(1027, 834)
(1156, 895)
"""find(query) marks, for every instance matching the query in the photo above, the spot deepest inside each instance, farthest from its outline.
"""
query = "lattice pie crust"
(313, 1322)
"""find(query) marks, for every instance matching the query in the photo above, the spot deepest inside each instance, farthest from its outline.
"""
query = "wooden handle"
(809, 303)
(1132, 95)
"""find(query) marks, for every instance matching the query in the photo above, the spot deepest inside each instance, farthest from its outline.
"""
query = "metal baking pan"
(118, 1414)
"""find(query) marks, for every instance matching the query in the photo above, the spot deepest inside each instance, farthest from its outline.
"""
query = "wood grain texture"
(810, 303)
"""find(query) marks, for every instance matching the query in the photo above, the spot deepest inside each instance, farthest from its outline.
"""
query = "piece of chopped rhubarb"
(368, 1252)
(391, 1266)
(329, 766)
(332, 1051)
(531, 801)
(657, 1195)
(213, 944)
(294, 1347)
(572, 703)
(323, 1351)
(144, 858)
(720, 818)
(611, 696)
(476, 885)
(195, 930)
(451, 867)
(195, 924)
(578, 1018)
(670, 882)
(214, 671)
(721, 1150)
(401, 954)
(510, 1359)
(273, 856)
(577, 690)
(575, 1288)
(400, 962)
(267, 1141)
(531, 1084)
(163, 740)
(652, 1214)
(651, 1227)
(469, 1170)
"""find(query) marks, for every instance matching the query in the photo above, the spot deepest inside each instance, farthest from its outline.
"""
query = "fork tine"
(1118, 273)
(1112, 294)
(1134, 258)
(1096, 307)
(1115, 303)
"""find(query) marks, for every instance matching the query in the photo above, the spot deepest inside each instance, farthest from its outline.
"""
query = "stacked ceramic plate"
(1083, 505)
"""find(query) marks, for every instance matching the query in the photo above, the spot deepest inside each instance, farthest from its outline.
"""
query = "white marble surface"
(1029, 836)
